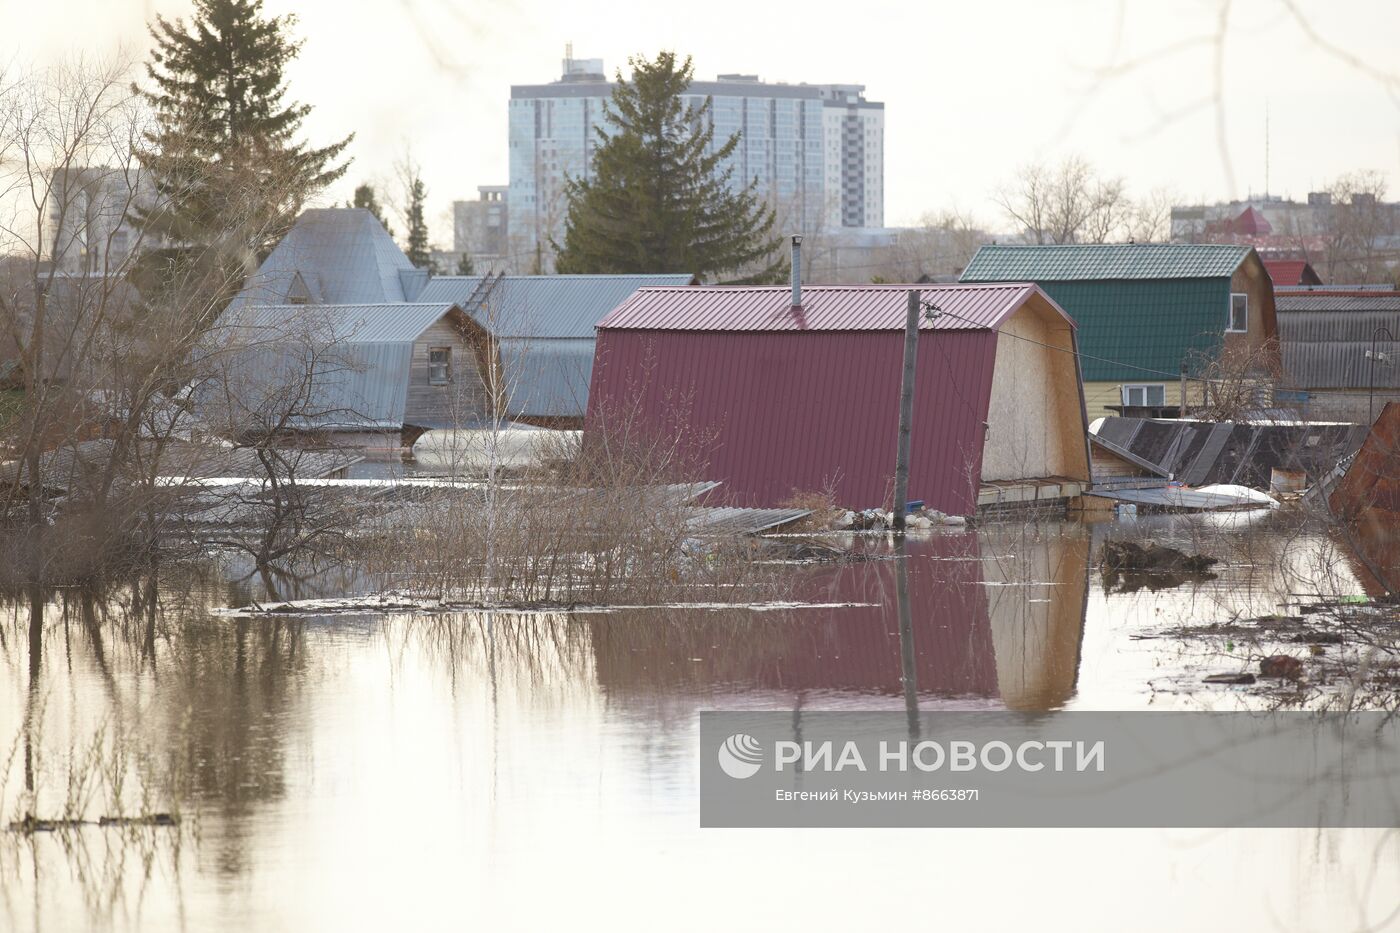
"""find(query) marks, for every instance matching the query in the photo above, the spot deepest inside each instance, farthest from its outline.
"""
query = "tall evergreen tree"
(659, 199)
(419, 252)
(224, 156)
(365, 198)
(465, 266)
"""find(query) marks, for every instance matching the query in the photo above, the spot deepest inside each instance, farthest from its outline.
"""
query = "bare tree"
(1358, 228)
(941, 245)
(106, 333)
(1066, 203)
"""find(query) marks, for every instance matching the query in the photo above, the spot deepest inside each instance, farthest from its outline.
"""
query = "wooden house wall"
(463, 399)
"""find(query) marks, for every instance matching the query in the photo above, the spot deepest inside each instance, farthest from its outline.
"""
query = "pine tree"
(224, 156)
(365, 198)
(465, 266)
(659, 199)
(419, 252)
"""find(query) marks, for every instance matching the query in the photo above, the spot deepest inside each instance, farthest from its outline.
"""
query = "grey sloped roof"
(352, 323)
(1318, 300)
(344, 256)
(547, 378)
(363, 355)
(1325, 340)
(543, 306)
(1104, 261)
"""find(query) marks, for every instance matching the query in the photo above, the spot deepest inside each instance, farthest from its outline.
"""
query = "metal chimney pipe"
(797, 271)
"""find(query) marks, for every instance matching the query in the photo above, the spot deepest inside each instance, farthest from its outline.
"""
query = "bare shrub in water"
(612, 521)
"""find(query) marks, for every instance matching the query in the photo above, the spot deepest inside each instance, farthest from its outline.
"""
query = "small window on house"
(439, 366)
(1239, 313)
(1145, 396)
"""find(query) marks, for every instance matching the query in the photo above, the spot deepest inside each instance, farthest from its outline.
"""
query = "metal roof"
(343, 255)
(1104, 261)
(547, 378)
(542, 306)
(362, 377)
(1203, 453)
(1326, 339)
(1291, 272)
(361, 324)
(1335, 301)
(824, 308)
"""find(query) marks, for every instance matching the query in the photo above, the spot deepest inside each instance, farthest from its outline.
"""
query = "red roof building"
(1289, 272)
(778, 399)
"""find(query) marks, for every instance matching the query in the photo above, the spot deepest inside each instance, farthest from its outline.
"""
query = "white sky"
(972, 89)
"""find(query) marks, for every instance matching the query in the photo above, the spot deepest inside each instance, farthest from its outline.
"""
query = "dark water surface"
(519, 771)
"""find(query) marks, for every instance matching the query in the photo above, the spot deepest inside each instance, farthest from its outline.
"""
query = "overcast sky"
(972, 89)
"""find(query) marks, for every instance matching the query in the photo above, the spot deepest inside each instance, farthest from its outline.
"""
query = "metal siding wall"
(791, 411)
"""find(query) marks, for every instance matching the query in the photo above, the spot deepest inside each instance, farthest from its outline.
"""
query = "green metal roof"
(1137, 325)
(1102, 261)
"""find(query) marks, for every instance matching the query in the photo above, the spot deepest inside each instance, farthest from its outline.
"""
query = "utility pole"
(1182, 413)
(906, 413)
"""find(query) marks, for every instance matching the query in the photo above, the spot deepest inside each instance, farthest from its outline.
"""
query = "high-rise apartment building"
(815, 152)
(854, 129)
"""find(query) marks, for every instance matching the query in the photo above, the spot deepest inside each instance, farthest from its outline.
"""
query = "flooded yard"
(517, 770)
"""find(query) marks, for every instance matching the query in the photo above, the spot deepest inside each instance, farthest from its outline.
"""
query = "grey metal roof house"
(544, 328)
(352, 367)
(340, 268)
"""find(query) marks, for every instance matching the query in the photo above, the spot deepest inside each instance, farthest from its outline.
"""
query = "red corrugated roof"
(1291, 272)
(824, 307)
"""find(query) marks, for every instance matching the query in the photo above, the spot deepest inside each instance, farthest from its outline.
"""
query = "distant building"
(815, 151)
(481, 230)
(87, 224)
(1257, 216)
(1146, 310)
(1354, 240)
(854, 133)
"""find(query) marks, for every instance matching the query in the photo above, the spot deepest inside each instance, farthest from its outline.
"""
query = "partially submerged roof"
(824, 308)
(1203, 453)
(542, 307)
(1104, 261)
(333, 255)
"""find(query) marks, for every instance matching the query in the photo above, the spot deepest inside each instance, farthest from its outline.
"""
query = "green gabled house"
(1145, 309)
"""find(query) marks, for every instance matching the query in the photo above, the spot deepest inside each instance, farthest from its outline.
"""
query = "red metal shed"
(782, 399)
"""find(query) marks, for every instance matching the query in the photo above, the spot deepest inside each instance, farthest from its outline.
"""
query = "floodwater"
(519, 771)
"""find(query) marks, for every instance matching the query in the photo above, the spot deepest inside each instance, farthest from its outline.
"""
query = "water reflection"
(454, 755)
(1005, 628)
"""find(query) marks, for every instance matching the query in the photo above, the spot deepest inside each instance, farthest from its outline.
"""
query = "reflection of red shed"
(787, 398)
